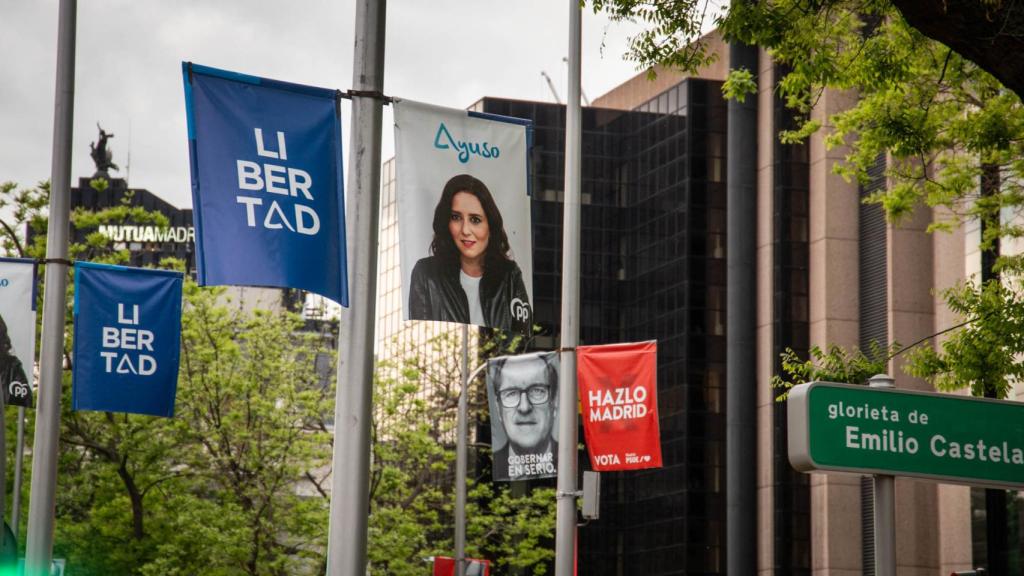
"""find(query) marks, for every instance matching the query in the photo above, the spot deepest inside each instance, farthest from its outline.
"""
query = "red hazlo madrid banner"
(619, 393)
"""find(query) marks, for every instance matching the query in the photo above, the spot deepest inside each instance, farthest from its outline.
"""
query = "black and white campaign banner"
(17, 329)
(266, 182)
(522, 392)
(464, 216)
(127, 339)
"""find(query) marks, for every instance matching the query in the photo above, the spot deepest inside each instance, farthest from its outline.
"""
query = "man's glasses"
(537, 394)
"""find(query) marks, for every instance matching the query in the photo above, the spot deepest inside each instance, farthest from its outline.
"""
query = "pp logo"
(19, 394)
(4, 282)
(520, 310)
(19, 390)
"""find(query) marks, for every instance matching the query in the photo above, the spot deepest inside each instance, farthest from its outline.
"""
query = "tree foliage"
(413, 477)
(944, 121)
(982, 32)
(983, 355)
(219, 489)
(670, 32)
(832, 365)
(952, 134)
(237, 483)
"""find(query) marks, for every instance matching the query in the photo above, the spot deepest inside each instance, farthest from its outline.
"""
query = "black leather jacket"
(436, 294)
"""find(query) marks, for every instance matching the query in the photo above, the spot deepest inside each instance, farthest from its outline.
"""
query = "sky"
(129, 54)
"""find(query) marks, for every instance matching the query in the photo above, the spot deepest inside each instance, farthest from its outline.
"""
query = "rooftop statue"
(102, 155)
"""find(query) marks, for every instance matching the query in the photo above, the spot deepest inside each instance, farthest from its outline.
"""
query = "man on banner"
(464, 216)
(619, 395)
(523, 393)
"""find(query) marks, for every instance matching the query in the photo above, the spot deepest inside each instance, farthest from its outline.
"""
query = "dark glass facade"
(791, 545)
(653, 267)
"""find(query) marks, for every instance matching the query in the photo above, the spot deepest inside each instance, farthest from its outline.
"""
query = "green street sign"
(867, 430)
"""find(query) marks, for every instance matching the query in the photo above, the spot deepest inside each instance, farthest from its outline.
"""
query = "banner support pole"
(19, 458)
(3, 459)
(884, 505)
(565, 521)
(39, 547)
(350, 478)
(460, 460)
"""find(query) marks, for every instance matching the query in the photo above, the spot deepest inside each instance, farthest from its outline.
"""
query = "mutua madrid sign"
(942, 437)
(150, 233)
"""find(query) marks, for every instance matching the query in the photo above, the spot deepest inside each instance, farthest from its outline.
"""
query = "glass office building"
(653, 268)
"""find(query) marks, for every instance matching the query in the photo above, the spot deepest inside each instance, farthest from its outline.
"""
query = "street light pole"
(41, 508)
(884, 505)
(350, 472)
(19, 458)
(461, 456)
(565, 520)
(460, 461)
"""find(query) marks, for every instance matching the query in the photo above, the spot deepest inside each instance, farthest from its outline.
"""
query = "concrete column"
(954, 502)
(909, 274)
(834, 319)
(765, 352)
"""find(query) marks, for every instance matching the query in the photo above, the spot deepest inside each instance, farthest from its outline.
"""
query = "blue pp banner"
(127, 339)
(266, 182)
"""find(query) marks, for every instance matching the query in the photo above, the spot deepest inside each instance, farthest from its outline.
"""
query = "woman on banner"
(469, 277)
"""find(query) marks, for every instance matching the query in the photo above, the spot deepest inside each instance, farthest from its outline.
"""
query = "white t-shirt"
(471, 286)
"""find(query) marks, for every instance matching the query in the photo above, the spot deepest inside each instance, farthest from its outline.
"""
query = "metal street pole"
(39, 547)
(565, 521)
(3, 459)
(885, 506)
(461, 457)
(460, 461)
(19, 457)
(350, 492)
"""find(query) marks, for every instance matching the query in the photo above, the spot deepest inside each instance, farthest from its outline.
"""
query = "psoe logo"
(444, 140)
(520, 310)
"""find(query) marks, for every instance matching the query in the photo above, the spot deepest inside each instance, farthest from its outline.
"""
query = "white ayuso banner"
(464, 216)
(17, 327)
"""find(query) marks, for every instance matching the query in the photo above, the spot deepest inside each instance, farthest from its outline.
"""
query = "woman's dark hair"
(5, 339)
(443, 246)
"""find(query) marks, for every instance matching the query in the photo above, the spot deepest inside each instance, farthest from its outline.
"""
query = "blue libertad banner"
(127, 339)
(266, 182)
